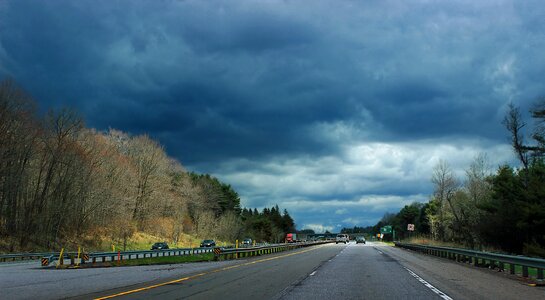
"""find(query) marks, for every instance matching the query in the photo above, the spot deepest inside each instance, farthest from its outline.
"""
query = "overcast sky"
(334, 110)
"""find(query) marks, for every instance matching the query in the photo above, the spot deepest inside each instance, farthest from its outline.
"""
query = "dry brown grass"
(143, 241)
(431, 242)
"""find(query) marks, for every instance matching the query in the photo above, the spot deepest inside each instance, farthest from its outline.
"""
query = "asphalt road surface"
(353, 271)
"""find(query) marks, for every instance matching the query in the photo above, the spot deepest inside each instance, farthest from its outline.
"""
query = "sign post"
(410, 228)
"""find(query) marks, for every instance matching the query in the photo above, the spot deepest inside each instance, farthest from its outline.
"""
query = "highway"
(353, 271)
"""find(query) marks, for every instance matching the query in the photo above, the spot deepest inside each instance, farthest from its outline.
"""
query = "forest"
(501, 209)
(64, 184)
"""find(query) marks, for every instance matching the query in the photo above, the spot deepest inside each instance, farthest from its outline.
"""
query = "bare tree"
(514, 124)
(18, 135)
(229, 226)
(446, 185)
(146, 156)
(476, 183)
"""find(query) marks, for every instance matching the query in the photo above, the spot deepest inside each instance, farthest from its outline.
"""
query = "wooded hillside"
(61, 182)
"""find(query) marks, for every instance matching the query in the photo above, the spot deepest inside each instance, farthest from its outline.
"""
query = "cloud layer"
(336, 111)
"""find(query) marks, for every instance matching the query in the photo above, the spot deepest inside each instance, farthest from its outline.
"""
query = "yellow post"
(236, 246)
(253, 243)
(113, 248)
(61, 260)
(78, 260)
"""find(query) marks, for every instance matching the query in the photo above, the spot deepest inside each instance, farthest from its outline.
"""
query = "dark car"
(208, 243)
(159, 246)
(247, 242)
(360, 239)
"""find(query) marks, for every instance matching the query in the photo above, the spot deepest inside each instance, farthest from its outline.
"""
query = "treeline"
(61, 182)
(356, 229)
(267, 225)
(504, 209)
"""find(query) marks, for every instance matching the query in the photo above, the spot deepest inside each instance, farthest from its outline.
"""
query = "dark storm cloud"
(256, 91)
(214, 31)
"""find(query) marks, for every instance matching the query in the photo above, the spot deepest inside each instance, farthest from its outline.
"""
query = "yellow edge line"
(202, 274)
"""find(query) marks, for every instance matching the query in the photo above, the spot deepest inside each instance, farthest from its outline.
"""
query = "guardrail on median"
(234, 253)
(72, 258)
(23, 256)
(478, 258)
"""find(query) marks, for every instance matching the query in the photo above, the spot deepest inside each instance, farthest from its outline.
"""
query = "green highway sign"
(386, 229)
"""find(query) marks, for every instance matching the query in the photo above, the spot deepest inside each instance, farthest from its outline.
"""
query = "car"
(208, 243)
(342, 238)
(159, 246)
(360, 239)
(247, 242)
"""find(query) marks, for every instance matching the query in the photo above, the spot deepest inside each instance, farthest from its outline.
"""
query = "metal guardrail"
(23, 256)
(479, 258)
(234, 253)
(72, 258)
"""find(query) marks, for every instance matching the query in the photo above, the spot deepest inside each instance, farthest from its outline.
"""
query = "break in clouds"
(335, 110)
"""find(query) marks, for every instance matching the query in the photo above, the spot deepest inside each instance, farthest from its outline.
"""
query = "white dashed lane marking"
(428, 285)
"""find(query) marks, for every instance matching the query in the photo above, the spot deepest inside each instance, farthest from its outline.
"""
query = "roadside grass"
(419, 240)
(101, 241)
(532, 272)
(162, 260)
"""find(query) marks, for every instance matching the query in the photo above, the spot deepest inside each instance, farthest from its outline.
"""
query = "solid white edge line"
(428, 285)
(312, 274)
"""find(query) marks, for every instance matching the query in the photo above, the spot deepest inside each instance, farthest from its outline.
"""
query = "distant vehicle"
(159, 246)
(360, 239)
(291, 238)
(342, 238)
(208, 243)
(247, 242)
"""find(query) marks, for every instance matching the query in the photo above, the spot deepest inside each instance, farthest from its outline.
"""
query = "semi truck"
(291, 238)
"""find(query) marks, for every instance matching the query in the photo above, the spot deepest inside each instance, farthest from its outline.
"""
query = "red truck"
(291, 238)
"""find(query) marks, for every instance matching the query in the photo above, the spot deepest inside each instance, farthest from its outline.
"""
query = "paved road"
(371, 271)
(362, 272)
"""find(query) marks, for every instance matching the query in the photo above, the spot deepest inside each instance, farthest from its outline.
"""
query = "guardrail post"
(524, 271)
(540, 274)
(512, 269)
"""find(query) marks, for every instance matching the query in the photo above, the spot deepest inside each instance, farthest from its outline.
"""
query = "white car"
(342, 238)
